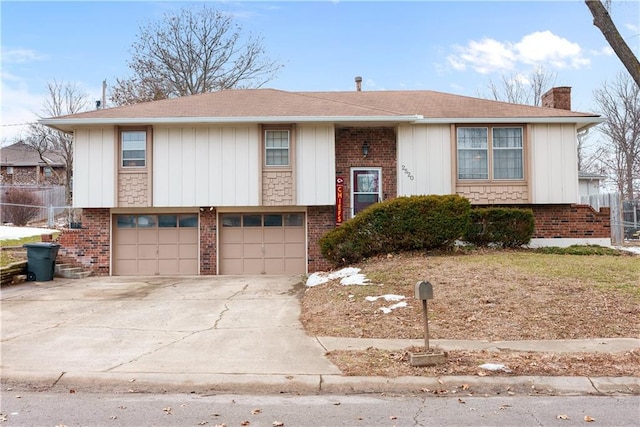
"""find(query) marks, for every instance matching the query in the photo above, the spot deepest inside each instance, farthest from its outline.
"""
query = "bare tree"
(619, 102)
(522, 89)
(603, 21)
(63, 99)
(196, 50)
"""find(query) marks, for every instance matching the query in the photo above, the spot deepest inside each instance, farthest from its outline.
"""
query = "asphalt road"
(130, 409)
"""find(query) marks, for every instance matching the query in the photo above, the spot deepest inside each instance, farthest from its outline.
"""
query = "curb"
(320, 384)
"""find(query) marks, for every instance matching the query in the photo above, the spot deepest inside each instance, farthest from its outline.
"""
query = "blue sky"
(450, 46)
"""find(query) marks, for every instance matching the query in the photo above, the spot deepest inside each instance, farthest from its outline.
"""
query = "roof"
(21, 154)
(591, 176)
(271, 105)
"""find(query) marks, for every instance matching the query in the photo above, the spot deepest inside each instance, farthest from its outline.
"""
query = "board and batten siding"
(424, 160)
(94, 168)
(315, 165)
(206, 166)
(554, 164)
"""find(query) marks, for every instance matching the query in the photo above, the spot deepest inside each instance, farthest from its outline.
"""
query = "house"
(247, 181)
(589, 185)
(20, 164)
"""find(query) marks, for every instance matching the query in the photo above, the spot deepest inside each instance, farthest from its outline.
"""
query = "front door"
(365, 188)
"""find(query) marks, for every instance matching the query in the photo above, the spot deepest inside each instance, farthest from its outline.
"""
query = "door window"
(365, 188)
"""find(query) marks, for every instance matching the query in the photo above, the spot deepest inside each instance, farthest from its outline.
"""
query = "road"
(99, 409)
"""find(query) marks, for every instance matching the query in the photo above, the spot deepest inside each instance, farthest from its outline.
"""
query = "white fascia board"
(226, 120)
(585, 121)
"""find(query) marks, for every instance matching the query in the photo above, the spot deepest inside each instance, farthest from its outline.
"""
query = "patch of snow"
(387, 297)
(387, 310)
(495, 367)
(633, 249)
(355, 279)
(349, 276)
(9, 233)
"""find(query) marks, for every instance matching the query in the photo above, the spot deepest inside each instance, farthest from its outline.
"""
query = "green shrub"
(401, 224)
(506, 227)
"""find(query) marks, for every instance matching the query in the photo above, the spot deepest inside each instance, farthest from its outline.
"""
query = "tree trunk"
(603, 21)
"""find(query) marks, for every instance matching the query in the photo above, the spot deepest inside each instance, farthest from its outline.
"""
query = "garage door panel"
(272, 250)
(150, 244)
(252, 266)
(251, 250)
(294, 234)
(294, 266)
(252, 235)
(272, 235)
(294, 250)
(274, 266)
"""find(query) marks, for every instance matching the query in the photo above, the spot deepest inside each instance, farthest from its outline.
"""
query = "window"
(9, 170)
(134, 148)
(365, 188)
(47, 172)
(490, 153)
(276, 143)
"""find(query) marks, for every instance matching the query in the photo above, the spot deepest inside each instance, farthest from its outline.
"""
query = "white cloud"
(19, 106)
(542, 48)
(20, 56)
(545, 48)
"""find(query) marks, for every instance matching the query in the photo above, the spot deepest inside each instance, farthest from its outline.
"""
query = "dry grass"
(486, 295)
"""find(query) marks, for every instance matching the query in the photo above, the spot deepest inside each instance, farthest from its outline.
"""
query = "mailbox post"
(424, 292)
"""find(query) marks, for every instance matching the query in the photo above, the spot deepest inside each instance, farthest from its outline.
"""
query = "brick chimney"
(358, 83)
(558, 97)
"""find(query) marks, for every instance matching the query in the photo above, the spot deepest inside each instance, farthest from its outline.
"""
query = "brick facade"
(382, 154)
(31, 175)
(320, 219)
(88, 247)
(571, 222)
(208, 237)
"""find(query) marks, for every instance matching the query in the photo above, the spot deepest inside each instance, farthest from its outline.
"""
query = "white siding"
(191, 163)
(315, 165)
(94, 168)
(554, 164)
(424, 154)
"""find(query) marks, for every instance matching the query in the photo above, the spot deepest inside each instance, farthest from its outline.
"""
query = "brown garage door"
(262, 243)
(155, 244)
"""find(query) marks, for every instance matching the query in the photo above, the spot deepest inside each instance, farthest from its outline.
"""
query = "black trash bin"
(41, 260)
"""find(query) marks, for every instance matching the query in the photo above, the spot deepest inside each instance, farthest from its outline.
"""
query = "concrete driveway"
(182, 330)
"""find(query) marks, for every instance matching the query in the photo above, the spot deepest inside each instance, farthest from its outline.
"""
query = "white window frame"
(490, 149)
(123, 149)
(267, 148)
(9, 170)
(354, 193)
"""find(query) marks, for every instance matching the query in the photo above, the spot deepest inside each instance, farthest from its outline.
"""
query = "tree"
(522, 89)
(603, 21)
(196, 50)
(63, 98)
(619, 102)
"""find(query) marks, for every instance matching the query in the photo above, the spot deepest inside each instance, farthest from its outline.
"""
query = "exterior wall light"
(365, 149)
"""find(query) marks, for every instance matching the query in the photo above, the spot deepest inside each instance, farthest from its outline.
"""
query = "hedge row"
(423, 223)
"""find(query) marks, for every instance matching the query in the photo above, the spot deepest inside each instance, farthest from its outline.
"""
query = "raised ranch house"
(20, 164)
(247, 181)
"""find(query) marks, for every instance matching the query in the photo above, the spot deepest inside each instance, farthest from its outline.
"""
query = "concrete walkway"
(216, 334)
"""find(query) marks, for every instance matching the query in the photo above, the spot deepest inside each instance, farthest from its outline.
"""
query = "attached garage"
(158, 244)
(262, 243)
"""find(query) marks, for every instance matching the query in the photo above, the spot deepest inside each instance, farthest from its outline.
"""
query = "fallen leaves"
(588, 419)
(562, 417)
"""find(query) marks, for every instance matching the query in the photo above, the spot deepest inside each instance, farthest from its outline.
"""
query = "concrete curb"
(319, 384)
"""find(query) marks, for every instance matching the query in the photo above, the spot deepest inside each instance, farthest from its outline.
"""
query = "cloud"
(20, 56)
(542, 48)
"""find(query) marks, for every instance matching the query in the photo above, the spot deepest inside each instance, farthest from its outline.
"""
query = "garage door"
(268, 243)
(155, 244)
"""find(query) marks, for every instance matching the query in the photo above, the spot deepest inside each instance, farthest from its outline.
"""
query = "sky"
(456, 47)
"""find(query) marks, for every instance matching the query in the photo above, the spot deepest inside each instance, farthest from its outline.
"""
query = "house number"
(406, 171)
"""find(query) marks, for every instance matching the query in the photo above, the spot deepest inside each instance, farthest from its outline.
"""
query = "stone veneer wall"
(277, 188)
(208, 250)
(88, 247)
(382, 154)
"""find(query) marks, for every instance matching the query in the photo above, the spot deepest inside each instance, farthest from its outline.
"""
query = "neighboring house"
(20, 164)
(247, 181)
(589, 185)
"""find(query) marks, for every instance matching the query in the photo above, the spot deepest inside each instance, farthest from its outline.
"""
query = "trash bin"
(41, 260)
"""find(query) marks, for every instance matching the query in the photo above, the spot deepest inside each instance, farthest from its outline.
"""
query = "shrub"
(506, 227)
(401, 224)
(19, 206)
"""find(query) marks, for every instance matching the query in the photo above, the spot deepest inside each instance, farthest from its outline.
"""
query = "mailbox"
(424, 290)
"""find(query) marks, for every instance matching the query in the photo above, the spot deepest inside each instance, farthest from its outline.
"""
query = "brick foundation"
(320, 219)
(571, 221)
(208, 250)
(87, 247)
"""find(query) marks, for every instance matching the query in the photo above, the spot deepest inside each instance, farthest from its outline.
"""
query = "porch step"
(68, 271)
